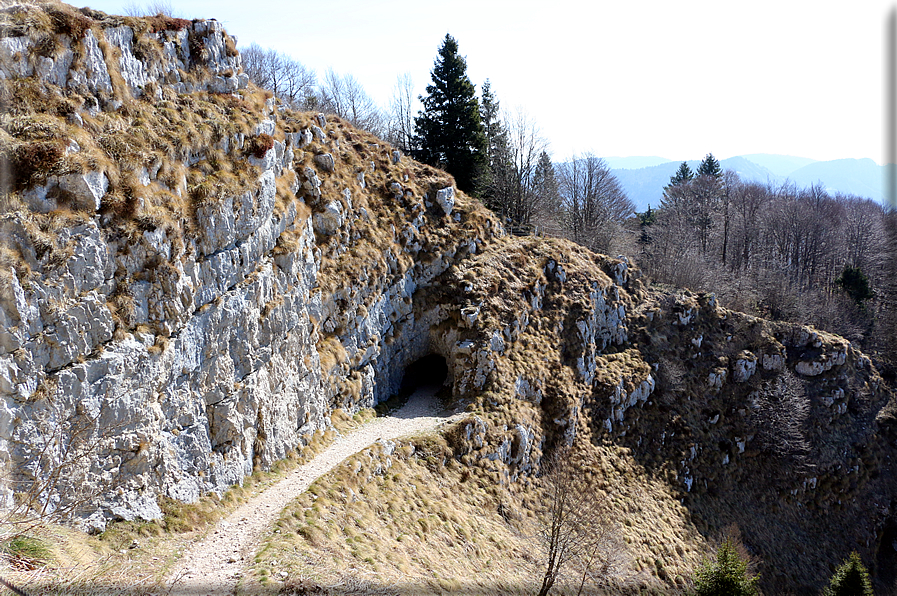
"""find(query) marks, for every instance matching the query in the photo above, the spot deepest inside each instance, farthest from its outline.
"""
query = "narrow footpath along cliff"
(194, 276)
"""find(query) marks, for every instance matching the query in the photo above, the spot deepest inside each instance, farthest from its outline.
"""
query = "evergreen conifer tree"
(727, 576)
(493, 176)
(710, 167)
(682, 175)
(448, 130)
(856, 284)
(850, 579)
(548, 196)
(645, 221)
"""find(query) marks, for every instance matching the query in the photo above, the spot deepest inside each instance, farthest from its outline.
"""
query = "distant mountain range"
(643, 178)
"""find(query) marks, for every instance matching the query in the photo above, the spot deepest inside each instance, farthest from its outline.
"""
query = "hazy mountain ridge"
(635, 163)
(862, 177)
(780, 165)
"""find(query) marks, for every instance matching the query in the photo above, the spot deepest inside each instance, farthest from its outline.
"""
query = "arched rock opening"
(429, 371)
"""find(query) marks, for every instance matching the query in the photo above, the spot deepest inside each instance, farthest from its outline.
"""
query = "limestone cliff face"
(194, 278)
(167, 326)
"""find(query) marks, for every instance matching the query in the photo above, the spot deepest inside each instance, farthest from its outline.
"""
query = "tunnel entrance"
(429, 371)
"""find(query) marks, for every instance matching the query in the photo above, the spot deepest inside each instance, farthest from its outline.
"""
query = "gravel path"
(214, 565)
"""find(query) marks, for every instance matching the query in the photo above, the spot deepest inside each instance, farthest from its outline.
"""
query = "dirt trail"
(214, 565)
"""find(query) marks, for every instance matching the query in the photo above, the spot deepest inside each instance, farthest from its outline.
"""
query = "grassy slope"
(427, 524)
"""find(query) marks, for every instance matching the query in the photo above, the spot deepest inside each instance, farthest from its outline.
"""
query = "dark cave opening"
(429, 371)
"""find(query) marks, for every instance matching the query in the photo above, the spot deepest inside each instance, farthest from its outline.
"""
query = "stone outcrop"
(182, 353)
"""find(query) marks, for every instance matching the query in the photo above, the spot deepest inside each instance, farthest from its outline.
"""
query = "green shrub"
(727, 576)
(855, 283)
(850, 579)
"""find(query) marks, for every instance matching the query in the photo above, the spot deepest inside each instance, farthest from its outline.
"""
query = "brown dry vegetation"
(139, 136)
(767, 454)
(425, 523)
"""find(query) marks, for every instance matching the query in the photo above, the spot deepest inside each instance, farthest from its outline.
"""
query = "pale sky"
(671, 79)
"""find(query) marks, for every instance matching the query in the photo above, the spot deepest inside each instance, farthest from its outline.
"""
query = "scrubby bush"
(32, 161)
(259, 146)
(850, 579)
(855, 283)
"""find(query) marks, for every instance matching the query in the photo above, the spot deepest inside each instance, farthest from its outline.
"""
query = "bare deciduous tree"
(595, 206)
(345, 97)
(779, 412)
(526, 144)
(49, 483)
(403, 107)
(747, 202)
(864, 235)
(150, 8)
(514, 147)
(576, 529)
(288, 79)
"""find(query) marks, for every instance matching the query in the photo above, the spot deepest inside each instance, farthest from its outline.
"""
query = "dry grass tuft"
(32, 162)
(68, 21)
(162, 22)
(259, 146)
(230, 47)
(23, 19)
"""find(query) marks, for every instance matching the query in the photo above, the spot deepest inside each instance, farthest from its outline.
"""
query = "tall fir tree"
(492, 176)
(683, 174)
(548, 196)
(448, 130)
(710, 167)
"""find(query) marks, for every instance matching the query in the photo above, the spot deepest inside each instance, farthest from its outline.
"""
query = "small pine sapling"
(727, 576)
(850, 579)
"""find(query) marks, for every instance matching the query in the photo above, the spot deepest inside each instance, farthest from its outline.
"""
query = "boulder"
(445, 198)
(325, 161)
(330, 220)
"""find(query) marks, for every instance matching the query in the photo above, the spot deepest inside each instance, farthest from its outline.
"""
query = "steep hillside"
(194, 277)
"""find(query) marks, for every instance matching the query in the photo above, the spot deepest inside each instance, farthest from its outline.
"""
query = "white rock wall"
(222, 370)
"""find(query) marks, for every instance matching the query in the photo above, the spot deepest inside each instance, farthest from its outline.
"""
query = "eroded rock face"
(445, 198)
(180, 356)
